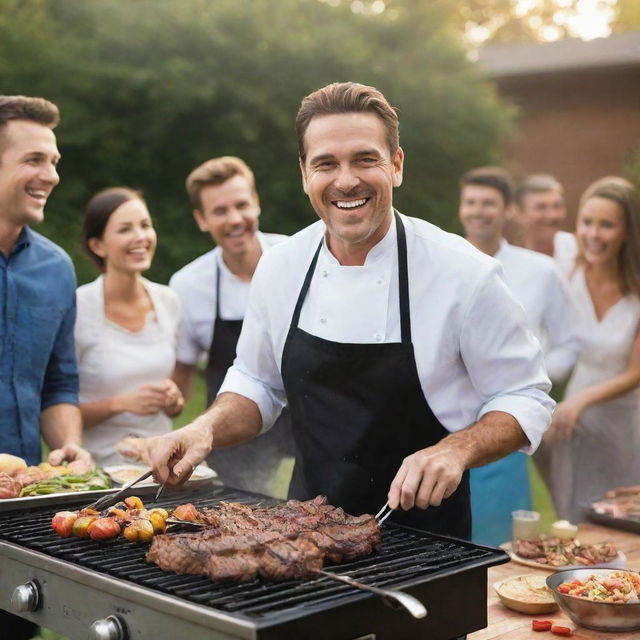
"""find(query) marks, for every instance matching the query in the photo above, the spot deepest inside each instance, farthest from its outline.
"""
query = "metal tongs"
(392, 597)
(381, 518)
(113, 498)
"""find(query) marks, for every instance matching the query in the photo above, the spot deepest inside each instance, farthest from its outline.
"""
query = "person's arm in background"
(560, 325)
(567, 413)
(184, 375)
(60, 419)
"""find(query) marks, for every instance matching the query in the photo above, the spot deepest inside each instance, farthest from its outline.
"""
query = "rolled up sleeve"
(504, 360)
(255, 373)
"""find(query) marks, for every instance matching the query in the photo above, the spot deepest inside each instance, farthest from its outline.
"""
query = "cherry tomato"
(541, 625)
(139, 531)
(103, 528)
(62, 522)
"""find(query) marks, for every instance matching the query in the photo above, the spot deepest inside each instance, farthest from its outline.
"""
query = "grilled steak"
(289, 541)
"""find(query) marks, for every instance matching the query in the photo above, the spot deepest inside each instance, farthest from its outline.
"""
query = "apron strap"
(403, 283)
(217, 288)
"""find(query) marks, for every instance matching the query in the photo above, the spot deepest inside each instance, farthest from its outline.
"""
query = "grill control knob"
(26, 597)
(109, 628)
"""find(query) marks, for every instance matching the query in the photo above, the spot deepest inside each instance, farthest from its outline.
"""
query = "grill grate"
(408, 556)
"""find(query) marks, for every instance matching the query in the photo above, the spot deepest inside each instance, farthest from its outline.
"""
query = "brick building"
(578, 107)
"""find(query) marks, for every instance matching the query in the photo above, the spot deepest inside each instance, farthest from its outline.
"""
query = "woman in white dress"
(595, 432)
(126, 329)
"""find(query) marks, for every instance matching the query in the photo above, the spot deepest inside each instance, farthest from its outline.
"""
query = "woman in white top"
(126, 329)
(595, 432)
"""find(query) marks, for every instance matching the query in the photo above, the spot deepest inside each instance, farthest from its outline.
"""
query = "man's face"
(230, 214)
(541, 214)
(28, 159)
(349, 175)
(483, 213)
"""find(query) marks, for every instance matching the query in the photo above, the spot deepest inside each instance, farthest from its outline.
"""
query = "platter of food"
(121, 474)
(527, 593)
(19, 481)
(619, 508)
(559, 554)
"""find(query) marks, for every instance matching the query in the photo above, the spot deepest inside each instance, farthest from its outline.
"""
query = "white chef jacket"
(473, 350)
(565, 250)
(535, 281)
(195, 285)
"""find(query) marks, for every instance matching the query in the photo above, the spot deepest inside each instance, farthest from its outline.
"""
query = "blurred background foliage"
(148, 89)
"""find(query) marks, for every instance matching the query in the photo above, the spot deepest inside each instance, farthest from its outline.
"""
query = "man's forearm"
(61, 425)
(494, 436)
(233, 419)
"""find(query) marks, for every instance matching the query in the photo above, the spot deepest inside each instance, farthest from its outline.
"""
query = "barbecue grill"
(107, 591)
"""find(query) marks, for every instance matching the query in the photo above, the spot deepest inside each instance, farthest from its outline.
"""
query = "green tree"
(150, 88)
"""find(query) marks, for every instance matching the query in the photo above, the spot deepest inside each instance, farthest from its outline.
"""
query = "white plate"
(123, 473)
(619, 562)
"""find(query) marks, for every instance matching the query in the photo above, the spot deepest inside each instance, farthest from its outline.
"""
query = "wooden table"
(505, 624)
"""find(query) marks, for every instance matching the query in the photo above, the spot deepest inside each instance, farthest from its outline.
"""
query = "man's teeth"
(37, 193)
(234, 234)
(351, 204)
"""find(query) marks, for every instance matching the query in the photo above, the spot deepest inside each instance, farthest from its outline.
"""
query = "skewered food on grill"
(128, 517)
(287, 541)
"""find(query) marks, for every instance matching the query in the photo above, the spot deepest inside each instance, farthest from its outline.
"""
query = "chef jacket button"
(325, 273)
(378, 337)
(323, 321)
(380, 281)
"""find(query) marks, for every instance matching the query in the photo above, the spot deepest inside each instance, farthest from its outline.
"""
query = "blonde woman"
(595, 432)
(126, 329)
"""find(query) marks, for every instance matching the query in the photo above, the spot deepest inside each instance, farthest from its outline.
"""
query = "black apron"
(252, 465)
(358, 410)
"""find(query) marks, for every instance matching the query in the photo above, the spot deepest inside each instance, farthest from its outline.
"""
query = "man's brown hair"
(216, 171)
(536, 183)
(25, 108)
(347, 97)
(495, 177)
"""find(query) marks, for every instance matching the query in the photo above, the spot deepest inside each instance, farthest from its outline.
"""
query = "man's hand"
(174, 455)
(70, 452)
(427, 477)
(174, 401)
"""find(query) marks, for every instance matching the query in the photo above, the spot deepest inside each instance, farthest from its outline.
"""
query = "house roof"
(619, 50)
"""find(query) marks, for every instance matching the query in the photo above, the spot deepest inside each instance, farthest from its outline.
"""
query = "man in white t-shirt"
(486, 196)
(214, 290)
(540, 209)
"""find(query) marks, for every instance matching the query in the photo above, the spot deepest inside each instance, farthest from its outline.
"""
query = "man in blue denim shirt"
(38, 374)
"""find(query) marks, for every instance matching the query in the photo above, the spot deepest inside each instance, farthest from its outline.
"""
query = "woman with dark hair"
(595, 432)
(126, 329)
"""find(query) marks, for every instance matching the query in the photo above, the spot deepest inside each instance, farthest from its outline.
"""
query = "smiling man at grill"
(399, 350)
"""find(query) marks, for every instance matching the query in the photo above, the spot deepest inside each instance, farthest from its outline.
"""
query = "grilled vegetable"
(139, 531)
(158, 522)
(80, 527)
(62, 522)
(103, 528)
(133, 502)
(186, 512)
